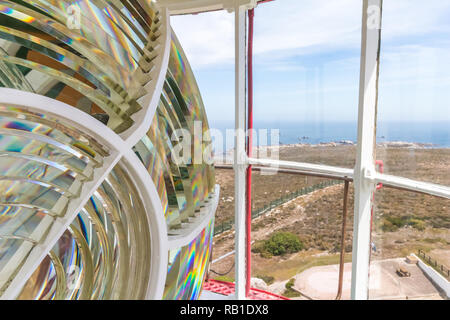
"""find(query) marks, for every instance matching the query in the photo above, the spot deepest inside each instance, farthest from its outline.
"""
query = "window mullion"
(364, 182)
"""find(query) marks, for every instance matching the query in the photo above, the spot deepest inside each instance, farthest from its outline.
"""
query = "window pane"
(305, 214)
(404, 224)
(413, 135)
(306, 72)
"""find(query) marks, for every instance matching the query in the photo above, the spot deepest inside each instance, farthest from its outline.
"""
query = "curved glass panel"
(43, 283)
(44, 164)
(188, 266)
(175, 150)
(93, 55)
(97, 56)
(105, 254)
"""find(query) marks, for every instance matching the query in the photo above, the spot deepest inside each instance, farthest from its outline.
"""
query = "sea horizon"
(434, 134)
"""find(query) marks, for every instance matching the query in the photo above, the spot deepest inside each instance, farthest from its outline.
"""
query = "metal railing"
(443, 270)
(228, 225)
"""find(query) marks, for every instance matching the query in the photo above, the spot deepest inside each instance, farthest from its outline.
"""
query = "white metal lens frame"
(119, 151)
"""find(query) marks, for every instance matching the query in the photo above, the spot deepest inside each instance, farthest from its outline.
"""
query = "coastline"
(386, 144)
(342, 143)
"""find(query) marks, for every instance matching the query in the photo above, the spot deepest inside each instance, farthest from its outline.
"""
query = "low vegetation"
(224, 278)
(290, 292)
(403, 221)
(278, 244)
(267, 279)
(393, 223)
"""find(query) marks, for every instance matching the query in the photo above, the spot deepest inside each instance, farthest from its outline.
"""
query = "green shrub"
(282, 243)
(290, 292)
(259, 247)
(290, 283)
(266, 255)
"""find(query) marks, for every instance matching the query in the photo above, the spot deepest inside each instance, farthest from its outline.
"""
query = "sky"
(307, 60)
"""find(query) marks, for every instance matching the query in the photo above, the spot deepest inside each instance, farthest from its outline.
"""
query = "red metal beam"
(228, 288)
(251, 14)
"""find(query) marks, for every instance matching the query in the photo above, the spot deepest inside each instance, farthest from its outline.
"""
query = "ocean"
(437, 134)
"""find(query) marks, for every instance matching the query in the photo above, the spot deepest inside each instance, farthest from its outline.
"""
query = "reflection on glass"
(296, 229)
(43, 164)
(183, 181)
(306, 75)
(100, 67)
(413, 135)
(105, 253)
(188, 266)
(406, 224)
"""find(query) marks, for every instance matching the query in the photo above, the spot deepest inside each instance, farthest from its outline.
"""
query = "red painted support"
(227, 289)
(251, 14)
(380, 165)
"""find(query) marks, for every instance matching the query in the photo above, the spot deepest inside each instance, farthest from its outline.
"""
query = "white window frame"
(364, 175)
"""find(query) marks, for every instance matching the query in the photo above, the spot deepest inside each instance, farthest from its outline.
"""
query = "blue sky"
(307, 58)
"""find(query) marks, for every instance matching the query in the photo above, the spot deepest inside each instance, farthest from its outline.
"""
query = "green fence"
(228, 225)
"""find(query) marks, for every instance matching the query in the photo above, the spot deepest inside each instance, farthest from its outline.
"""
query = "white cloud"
(414, 17)
(207, 38)
(291, 27)
(405, 64)
(307, 54)
(307, 24)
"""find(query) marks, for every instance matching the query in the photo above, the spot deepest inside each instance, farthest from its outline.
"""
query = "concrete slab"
(322, 282)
